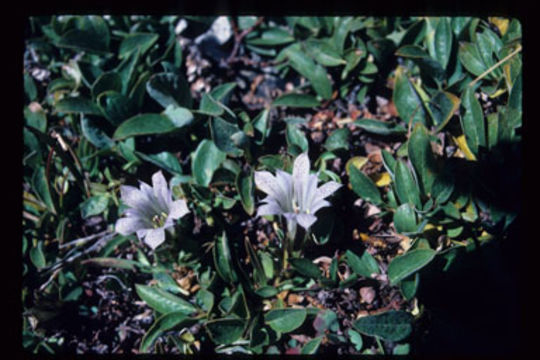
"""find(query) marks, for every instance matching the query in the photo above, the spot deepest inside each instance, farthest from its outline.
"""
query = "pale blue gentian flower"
(295, 196)
(151, 210)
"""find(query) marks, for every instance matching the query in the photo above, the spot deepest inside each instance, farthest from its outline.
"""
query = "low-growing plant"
(114, 102)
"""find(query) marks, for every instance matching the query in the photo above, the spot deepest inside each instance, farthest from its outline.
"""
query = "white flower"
(296, 197)
(151, 210)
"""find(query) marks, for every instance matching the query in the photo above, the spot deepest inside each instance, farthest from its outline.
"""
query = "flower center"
(159, 220)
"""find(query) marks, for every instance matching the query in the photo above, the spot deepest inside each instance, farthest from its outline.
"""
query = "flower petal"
(327, 189)
(161, 190)
(309, 193)
(318, 204)
(306, 220)
(142, 233)
(267, 183)
(272, 208)
(154, 237)
(178, 209)
(285, 183)
(300, 177)
(128, 225)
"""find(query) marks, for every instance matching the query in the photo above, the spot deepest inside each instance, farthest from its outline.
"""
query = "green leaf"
(352, 58)
(401, 349)
(469, 56)
(136, 41)
(258, 271)
(164, 160)
(227, 136)
(209, 106)
(285, 320)
(406, 187)
(162, 324)
(306, 267)
(225, 331)
(267, 291)
(409, 286)
(94, 134)
(180, 117)
(443, 105)
(36, 119)
(311, 346)
(77, 105)
(206, 159)
(296, 140)
(162, 301)
(405, 219)
(363, 186)
(406, 264)
(244, 184)
(407, 101)
(30, 87)
(323, 53)
(339, 139)
(221, 92)
(428, 66)
(315, 73)
(223, 259)
(169, 89)
(271, 36)
(364, 265)
(391, 325)
(260, 126)
(37, 257)
(443, 41)
(42, 188)
(296, 100)
(94, 205)
(145, 124)
(422, 157)
(105, 82)
(356, 339)
(91, 35)
(115, 106)
(380, 127)
(472, 121)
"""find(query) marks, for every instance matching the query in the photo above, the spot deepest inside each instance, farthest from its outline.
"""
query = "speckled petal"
(318, 204)
(154, 237)
(300, 177)
(128, 225)
(178, 209)
(161, 190)
(327, 189)
(271, 208)
(269, 184)
(306, 220)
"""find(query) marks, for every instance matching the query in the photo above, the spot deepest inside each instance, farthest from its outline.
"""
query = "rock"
(367, 293)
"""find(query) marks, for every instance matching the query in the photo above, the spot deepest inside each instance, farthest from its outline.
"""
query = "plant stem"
(485, 73)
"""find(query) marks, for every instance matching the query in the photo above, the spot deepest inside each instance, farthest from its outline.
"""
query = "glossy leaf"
(225, 331)
(169, 89)
(363, 186)
(422, 158)
(406, 187)
(391, 325)
(162, 324)
(285, 320)
(206, 159)
(306, 267)
(472, 121)
(407, 101)
(406, 264)
(136, 42)
(405, 219)
(364, 265)
(380, 127)
(296, 100)
(162, 301)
